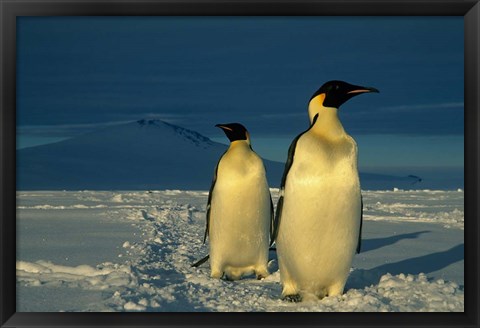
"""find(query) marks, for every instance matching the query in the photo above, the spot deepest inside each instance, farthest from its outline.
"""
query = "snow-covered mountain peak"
(186, 134)
(143, 154)
(144, 122)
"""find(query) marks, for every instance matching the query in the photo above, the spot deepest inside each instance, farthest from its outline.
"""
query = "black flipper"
(207, 227)
(288, 165)
(276, 223)
(359, 245)
(272, 220)
(200, 262)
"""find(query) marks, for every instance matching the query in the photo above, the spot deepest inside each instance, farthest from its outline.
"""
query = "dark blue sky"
(75, 74)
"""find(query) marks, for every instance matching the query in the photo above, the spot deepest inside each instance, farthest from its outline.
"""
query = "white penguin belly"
(320, 217)
(240, 217)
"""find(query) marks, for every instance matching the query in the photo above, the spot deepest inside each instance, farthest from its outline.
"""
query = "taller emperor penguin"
(319, 211)
(239, 210)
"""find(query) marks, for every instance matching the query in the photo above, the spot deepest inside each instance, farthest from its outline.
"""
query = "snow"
(133, 250)
(445, 207)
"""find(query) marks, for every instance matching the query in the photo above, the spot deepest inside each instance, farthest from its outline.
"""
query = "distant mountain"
(147, 154)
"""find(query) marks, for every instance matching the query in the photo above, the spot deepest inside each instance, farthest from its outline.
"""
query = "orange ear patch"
(318, 99)
(321, 97)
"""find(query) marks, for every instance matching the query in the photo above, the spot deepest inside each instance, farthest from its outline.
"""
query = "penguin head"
(235, 131)
(335, 93)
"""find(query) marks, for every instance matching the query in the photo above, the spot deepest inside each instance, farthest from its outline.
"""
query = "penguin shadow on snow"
(371, 244)
(361, 278)
(272, 260)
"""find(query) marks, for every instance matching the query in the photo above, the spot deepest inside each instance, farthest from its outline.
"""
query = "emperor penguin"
(317, 226)
(239, 210)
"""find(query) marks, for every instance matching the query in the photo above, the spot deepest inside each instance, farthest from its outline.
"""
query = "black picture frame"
(10, 9)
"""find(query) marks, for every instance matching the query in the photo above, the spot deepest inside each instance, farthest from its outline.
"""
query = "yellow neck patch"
(320, 98)
(315, 106)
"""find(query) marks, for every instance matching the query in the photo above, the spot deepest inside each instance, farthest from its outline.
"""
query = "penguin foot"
(216, 274)
(261, 273)
(232, 277)
(228, 278)
(295, 298)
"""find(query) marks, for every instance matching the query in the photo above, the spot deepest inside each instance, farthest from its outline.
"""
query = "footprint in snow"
(146, 216)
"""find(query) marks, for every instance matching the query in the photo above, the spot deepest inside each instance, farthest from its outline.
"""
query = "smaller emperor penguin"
(239, 210)
(319, 212)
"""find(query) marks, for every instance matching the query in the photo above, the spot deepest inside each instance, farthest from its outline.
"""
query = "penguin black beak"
(358, 90)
